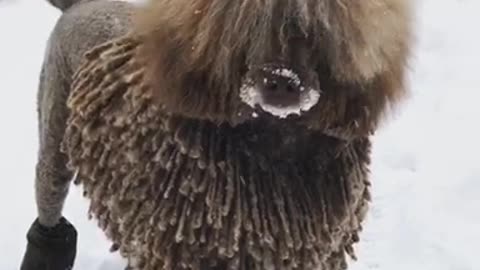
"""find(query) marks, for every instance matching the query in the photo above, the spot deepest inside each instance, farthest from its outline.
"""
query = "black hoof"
(50, 248)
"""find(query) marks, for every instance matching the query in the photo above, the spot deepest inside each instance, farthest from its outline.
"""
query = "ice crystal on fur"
(287, 73)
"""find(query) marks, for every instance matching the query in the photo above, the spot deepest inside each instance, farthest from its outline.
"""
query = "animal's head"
(322, 63)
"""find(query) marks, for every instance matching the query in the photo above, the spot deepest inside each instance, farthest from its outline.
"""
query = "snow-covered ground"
(426, 210)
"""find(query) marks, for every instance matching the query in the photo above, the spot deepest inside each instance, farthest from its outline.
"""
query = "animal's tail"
(63, 4)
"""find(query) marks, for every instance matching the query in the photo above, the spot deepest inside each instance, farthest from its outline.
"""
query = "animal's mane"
(195, 52)
(179, 193)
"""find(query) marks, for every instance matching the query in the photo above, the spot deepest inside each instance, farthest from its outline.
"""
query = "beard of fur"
(175, 193)
(196, 53)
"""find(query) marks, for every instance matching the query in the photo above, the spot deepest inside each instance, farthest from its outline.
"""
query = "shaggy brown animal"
(184, 172)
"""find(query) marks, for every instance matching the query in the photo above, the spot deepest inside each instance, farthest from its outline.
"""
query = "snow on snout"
(286, 73)
(252, 96)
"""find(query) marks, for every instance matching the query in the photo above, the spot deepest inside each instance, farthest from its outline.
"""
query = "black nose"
(279, 87)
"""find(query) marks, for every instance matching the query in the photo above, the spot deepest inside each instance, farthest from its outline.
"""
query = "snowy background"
(426, 171)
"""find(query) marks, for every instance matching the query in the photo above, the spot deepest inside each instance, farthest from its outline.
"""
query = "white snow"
(425, 172)
(287, 73)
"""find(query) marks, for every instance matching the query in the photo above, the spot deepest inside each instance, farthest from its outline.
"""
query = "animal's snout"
(279, 90)
(279, 87)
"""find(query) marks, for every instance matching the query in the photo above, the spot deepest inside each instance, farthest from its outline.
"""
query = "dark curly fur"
(181, 175)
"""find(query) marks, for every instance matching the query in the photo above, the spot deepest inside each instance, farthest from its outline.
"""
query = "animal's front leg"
(51, 238)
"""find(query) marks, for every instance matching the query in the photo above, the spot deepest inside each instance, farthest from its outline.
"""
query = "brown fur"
(359, 50)
(180, 193)
(178, 180)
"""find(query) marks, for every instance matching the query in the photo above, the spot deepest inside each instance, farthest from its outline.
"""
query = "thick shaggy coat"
(184, 193)
(182, 174)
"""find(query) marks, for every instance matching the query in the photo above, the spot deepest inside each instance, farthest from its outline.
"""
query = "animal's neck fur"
(272, 138)
(278, 140)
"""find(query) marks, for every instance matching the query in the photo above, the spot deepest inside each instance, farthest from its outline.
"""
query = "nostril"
(271, 86)
(290, 88)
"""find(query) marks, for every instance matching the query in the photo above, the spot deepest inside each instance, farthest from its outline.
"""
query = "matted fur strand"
(176, 193)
